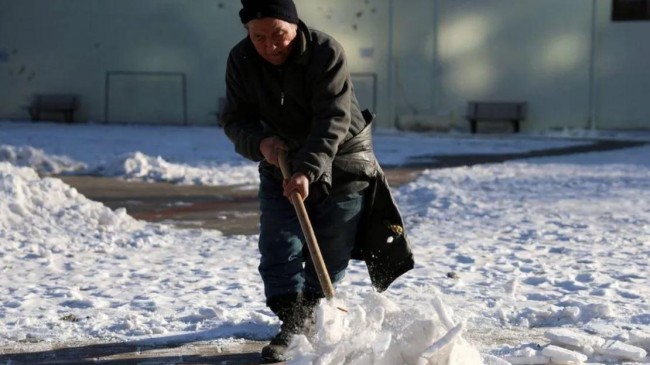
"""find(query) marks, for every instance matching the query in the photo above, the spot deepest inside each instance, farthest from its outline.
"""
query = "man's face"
(272, 38)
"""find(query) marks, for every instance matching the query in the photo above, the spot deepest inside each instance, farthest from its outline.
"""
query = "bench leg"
(473, 126)
(69, 116)
(515, 124)
(33, 113)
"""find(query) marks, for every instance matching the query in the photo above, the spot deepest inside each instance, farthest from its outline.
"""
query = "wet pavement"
(232, 210)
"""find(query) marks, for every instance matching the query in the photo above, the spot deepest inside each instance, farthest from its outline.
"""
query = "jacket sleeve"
(331, 98)
(241, 120)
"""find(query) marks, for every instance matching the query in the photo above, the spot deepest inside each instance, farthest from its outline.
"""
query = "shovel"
(308, 231)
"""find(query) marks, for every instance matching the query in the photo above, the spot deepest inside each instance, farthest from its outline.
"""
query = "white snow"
(559, 355)
(617, 349)
(569, 338)
(640, 338)
(501, 251)
(200, 155)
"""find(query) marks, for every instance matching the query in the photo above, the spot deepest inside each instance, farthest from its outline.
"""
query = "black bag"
(382, 242)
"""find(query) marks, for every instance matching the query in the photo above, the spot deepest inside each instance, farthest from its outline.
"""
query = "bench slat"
(60, 103)
(55, 102)
(513, 112)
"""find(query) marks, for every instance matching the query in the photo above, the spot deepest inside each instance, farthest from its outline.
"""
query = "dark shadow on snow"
(161, 351)
(437, 161)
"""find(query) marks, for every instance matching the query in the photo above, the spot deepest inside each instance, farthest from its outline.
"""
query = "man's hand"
(269, 149)
(298, 182)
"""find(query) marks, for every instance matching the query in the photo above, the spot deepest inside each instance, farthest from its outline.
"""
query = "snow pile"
(378, 332)
(139, 166)
(38, 160)
(33, 208)
(135, 166)
(73, 269)
(516, 249)
(569, 346)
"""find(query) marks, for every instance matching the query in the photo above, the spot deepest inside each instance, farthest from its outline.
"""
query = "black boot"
(293, 310)
(310, 301)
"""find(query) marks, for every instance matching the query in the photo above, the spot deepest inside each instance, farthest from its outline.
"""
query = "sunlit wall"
(503, 50)
(163, 61)
(622, 86)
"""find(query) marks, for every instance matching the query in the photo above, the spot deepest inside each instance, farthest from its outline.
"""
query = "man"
(288, 88)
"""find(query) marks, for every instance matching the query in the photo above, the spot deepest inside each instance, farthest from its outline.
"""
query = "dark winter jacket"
(309, 102)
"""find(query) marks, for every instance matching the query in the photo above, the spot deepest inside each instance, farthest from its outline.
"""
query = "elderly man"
(288, 88)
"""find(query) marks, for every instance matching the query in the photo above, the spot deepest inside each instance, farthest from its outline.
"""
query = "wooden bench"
(513, 112)
(54, 103)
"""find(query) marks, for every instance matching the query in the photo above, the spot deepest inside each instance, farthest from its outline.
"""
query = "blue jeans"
(285, 265)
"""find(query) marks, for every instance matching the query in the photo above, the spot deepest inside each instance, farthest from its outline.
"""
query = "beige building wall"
(413, 61)
(157, 61)
(535, 51)
(622, 63)
(567, 59)
(73, 46)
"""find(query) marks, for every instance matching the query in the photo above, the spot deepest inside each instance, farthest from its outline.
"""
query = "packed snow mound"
(141, 167)
(137, 165)
(379, 332)
(32, 207)
(37, 159)
(134, 166)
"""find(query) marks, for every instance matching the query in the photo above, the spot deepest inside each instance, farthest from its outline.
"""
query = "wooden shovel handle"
(308, 231)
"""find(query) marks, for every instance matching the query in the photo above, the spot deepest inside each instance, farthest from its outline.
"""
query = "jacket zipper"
(281, 82)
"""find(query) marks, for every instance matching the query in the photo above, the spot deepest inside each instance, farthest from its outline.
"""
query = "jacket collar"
(303, 43)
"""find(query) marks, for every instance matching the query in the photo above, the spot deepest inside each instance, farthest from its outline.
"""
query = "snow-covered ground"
(199, 155)
(535, 260)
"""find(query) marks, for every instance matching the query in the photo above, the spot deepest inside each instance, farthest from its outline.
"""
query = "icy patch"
(379, 332)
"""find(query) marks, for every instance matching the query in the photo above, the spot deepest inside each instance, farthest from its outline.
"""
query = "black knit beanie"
(279, 9)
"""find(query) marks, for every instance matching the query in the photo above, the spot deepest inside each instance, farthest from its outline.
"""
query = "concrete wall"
(150, 50)
(622, 62)
(535, 51)
(412, 60)
(68, 46)
(572, 64)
